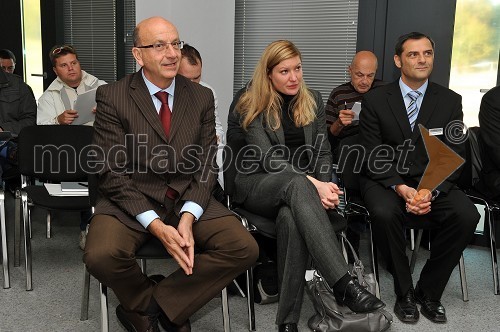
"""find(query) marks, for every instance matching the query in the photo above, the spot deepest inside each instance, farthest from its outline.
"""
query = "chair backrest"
(473, 162)
(54, 152)
(350, 163)
(93, 189)
(231, 161)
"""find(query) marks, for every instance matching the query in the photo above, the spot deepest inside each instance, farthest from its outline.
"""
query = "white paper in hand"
(356, 108)
(84, 105)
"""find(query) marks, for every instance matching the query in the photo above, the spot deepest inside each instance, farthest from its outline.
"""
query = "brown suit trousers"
(226, 250)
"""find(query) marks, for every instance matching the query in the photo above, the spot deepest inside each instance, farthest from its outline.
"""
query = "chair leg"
(416, 247)
(17, 229)
(30, 210)
(242, 293)
(373, 251)
(342, 245)
(250, 300)
(225, 311)
(412, 239)
(493, 250)
(84, 310)
(48, 225)
(142, 264)
(104, 307)
(27, 242)
(3, 231)
(463, 279)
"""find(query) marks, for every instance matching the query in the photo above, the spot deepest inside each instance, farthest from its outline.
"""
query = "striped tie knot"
(414, 94)
(412, 109)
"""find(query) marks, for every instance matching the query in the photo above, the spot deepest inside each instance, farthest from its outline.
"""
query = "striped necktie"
(412, 109)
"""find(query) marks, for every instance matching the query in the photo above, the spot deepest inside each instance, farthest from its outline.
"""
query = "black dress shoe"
(357, 298)
(135, 322)
(406, 307)
(171, 327)
(432, 310)
(288, 327)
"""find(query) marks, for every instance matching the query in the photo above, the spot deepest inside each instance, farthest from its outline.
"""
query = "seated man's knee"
(249, 250)
(385, 215)
(468, 219)
(243, 247)
(100, 260)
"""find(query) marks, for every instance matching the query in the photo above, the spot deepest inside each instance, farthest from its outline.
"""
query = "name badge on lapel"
(435, 131)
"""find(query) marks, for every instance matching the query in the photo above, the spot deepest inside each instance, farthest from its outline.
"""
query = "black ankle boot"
(357, 298)
(288, 327)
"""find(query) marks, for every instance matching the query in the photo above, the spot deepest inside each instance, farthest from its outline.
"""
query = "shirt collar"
(154, 89)
(405, 88)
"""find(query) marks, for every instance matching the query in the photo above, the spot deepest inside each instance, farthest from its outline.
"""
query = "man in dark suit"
(389, 121)
(489, 121)
(156, 181)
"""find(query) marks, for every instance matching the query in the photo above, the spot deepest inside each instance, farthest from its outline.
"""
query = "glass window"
(476, 43)
(32, 46)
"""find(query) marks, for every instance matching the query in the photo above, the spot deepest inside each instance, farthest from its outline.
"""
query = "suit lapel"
(426, 109)
(397, 105)
(274, 135)
(140, 94)
(308, 133)
(180, 106)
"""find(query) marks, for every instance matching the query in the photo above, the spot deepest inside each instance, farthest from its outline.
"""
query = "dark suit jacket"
(140, 162)
(266, 140)
(383, 120)
(489, 121)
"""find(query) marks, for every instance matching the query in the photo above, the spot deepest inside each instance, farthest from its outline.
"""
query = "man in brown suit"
(157, 181)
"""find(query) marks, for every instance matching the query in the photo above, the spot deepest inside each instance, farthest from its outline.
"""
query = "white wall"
(208, 25)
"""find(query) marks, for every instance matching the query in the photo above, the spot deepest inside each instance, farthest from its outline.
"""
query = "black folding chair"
(50, 154)
(469, 178)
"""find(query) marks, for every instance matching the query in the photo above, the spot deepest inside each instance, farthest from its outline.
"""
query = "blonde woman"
(284, 122)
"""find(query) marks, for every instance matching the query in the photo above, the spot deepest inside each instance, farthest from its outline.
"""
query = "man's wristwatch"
(434, 194)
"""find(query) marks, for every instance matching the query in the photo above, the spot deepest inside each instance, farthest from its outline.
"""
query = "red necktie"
(165, 114)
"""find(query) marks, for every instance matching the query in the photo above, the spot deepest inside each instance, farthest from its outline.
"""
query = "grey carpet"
(54, 302)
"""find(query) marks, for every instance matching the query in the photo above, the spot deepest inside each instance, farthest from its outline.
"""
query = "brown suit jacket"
(137, 163)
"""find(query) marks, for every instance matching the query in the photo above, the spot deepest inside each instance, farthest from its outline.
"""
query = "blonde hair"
(261, 97)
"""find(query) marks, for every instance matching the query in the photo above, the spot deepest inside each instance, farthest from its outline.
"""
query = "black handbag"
(330, 316)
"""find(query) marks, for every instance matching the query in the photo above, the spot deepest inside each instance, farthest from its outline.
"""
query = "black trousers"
(454, 217)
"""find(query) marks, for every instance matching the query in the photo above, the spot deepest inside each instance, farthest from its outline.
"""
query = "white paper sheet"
(356, 108)
(54, 189)
(84, 105)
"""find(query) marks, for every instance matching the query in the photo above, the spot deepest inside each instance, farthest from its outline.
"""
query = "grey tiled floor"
(54, 303)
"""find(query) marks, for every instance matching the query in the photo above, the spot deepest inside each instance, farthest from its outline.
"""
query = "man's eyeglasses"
(58, 50)
(160, 47)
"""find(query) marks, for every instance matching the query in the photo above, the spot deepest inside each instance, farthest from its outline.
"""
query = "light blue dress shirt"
(405, 89)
